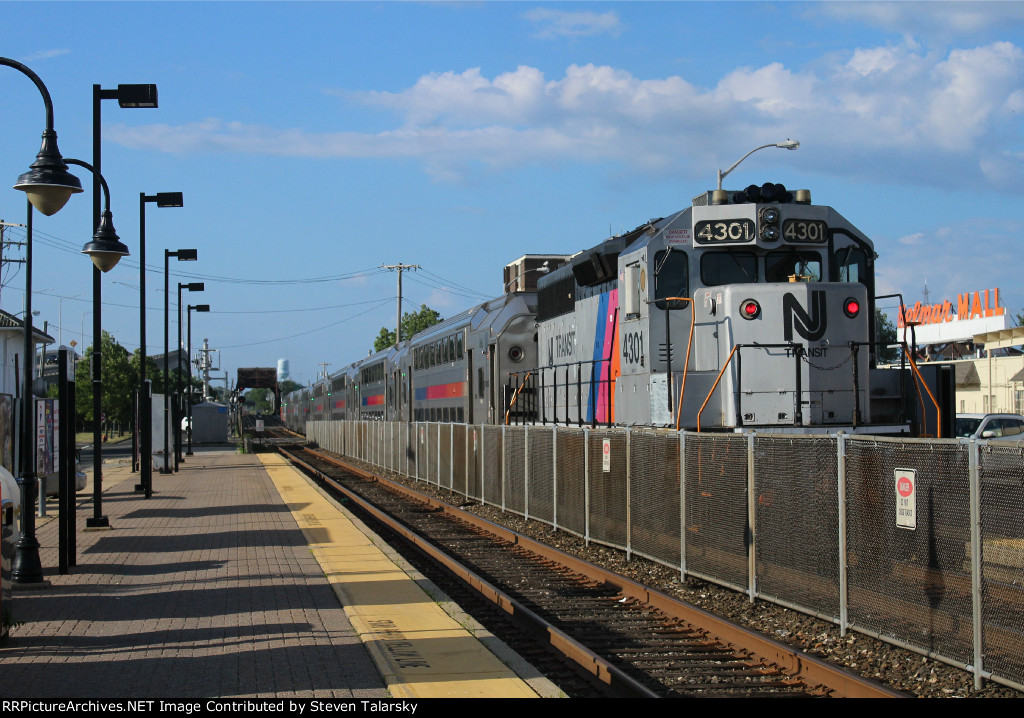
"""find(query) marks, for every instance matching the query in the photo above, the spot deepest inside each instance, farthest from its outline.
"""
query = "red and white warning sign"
(606, 455)
(906, 498)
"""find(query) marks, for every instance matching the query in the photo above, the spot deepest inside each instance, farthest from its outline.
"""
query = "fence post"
(554, 476)
(586, 486)
(974, 479)
(751, 521)
(629, 506)
(844, 587)
(682, 506)
(526, 472)
(504, 464)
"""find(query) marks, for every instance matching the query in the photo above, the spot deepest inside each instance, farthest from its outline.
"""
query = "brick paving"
(207, 589)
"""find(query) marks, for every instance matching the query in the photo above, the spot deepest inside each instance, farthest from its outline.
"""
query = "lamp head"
(788, 144)
(186, 255)
(48, 183)
(201, 307)
(106, 249)
(169, 199)
(136, 96)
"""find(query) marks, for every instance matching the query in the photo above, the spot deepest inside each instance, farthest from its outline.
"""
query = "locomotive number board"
(811, 231)
(724, 231)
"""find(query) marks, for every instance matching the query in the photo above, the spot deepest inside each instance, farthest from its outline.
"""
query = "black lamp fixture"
(183, 255)
(106, 249)
(103, 256)
(160, 199)
(198, 308)
(48, 185)
(178, 394)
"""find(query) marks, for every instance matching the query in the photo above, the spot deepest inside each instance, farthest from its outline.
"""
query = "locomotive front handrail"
(921, 381)
(515, 397)
(686, 365)
(715, 386)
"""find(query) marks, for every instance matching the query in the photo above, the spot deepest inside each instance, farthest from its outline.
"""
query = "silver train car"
(750, 309)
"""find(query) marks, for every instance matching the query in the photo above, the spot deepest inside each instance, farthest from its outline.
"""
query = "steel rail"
(812, 671)
(618, 683)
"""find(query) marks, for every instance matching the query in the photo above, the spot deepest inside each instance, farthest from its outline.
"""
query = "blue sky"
(315, 142)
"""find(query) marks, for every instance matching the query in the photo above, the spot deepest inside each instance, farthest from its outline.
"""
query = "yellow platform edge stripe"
(419, 649)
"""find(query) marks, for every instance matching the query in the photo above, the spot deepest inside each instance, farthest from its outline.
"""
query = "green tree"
(260, 400)
(885, 331)
(412, 322)
(288, 386)
(120, 380)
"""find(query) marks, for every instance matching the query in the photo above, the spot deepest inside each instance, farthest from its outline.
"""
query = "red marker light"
(750, 309)
(851, 307)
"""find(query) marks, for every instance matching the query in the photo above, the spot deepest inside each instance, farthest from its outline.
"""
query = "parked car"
(1007, 427)
(53, 480)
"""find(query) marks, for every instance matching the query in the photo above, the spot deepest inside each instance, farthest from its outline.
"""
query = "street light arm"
(39, 83)
(787, 145)
(103, 182)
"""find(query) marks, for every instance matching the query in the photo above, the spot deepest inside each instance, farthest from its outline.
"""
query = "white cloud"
(558, 23)
(943, 19)
(892, 113)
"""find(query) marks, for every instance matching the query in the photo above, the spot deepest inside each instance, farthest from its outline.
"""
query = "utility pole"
(324, 365)
(401, 268)
(3, 244)
(205, 366)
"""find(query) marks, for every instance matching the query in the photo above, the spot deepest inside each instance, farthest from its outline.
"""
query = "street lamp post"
(48, 186)
(192, 287)
(127, 96)
(183, 255)
(105, 250)
(161, 199)
(787, 145)
(198, 308)
(543, 269)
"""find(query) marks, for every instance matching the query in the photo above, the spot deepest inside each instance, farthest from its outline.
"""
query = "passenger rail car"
(751, 309)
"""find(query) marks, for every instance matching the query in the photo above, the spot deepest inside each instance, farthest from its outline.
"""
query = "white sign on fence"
(906, 498)
(606, 455)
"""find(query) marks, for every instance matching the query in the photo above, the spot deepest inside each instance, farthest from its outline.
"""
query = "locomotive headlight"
(750, 309)
(851, 307)
(516, 354)
(768, 219)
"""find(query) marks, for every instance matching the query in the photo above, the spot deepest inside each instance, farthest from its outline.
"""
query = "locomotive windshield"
(850, 265)
(728, 268)
(671, 278)
(800, 264)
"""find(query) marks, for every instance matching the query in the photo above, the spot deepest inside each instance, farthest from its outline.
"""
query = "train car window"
(458, 346)
(444, 351)
(850, 265)
(804, 266)
(460, 416)
(728, 268)
(671, 278)
(451, 348)
(480, 382)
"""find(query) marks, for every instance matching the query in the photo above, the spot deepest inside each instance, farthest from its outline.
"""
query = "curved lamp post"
(787, 145)
(543, 269)
(198, 308)
(48, 185)
(105, 250)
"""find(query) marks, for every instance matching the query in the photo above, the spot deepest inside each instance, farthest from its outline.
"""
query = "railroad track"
(629, 640)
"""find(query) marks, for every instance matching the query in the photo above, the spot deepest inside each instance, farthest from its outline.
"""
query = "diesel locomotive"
(748, 309)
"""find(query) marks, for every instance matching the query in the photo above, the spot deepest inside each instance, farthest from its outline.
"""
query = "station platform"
(240, 578)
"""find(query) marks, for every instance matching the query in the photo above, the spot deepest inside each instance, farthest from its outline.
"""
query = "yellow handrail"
(516, 396)
(920, 379)
(717, 379)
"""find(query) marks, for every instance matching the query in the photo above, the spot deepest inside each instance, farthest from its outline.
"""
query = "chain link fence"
(917, 542)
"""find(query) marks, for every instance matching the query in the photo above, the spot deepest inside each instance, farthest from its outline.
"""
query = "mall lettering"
(968, 306)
